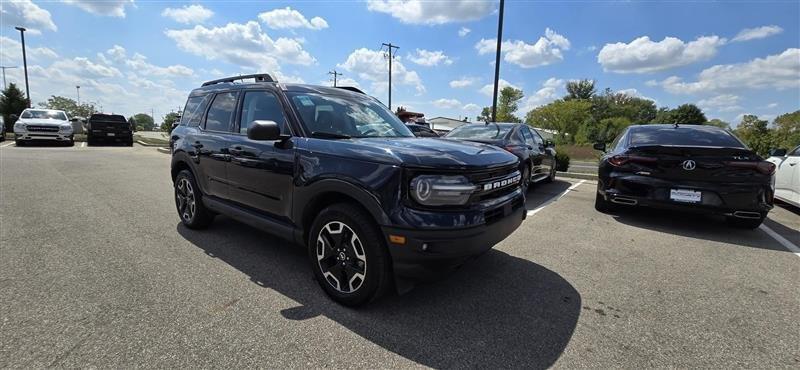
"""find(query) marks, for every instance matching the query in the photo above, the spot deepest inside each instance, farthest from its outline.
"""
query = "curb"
(575, 175)
(163, 150)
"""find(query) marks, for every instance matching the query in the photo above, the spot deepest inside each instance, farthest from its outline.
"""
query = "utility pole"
(25, 63)
(78, 88)
(389, 46)
(5, 86)
(497, 61)
(335, 74)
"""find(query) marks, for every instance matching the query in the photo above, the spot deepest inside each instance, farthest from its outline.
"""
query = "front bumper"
(53, 136)
(430, 253)
(717, 198)
(104, 135)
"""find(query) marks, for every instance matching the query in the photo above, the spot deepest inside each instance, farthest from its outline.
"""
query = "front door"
(261, 172)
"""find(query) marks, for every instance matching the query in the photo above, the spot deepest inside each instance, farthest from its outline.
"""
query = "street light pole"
(497, 61)
(5, 86)
(78, 88)
(335, 74)
(25, 63)
(390, 47)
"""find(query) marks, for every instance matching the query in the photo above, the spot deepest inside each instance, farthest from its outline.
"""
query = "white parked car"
(787, 175)
(43, 124)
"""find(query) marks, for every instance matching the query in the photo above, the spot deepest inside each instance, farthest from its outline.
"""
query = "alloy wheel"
(341, 257)
(185, 200)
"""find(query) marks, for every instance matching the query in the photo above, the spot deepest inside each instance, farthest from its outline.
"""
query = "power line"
(389, 47)
(335, 74)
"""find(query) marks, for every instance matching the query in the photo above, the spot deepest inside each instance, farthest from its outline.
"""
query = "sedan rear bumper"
(716, 198)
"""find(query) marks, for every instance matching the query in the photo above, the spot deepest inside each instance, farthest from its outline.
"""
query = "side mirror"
(777, 152)
(549, 144)
(263, 131)
(14, 117)
(599, 146)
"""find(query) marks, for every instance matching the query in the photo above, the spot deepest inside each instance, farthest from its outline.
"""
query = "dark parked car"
(422, 131)
(695, 168)
(108, 128)
(537, 157)
(334, 170)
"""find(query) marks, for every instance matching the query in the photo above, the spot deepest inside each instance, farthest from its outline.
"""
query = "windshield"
(346, 116)
(44, 114)
(683, 136)
(480, 131)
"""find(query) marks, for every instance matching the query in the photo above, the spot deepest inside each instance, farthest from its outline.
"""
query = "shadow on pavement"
(45, 143)
(539, 194)
(705, 227)
(497, 311)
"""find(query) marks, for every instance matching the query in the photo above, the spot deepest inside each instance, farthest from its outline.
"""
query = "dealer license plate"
(110, 134)
(685, 196)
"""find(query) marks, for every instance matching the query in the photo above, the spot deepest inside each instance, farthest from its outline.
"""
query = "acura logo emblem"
(689, 165)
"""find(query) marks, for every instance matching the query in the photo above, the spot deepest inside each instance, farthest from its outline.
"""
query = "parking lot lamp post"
(25, 64)
(78, 89)
(497, 61)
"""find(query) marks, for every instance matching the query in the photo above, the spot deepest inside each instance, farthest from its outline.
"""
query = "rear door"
(211, 145)
(261, 172)
(535, 151)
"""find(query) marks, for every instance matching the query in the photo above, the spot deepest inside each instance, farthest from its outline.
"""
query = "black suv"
(334, 170)
(108, 128)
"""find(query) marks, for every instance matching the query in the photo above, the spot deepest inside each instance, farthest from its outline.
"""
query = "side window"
(616, 142)
(193, 111)
(517, 137)
(536, 137)
(261, 105)
(219, 116)
(795, 152)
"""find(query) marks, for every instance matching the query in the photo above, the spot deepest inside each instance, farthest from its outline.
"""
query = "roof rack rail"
(351, 88)
(259, 77)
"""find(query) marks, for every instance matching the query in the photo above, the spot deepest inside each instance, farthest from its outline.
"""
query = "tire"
(333, 258)
(189, 202)
(129, 143)
(745, 223)
(19, 143)
(601, 204)
(526, 179)
(89, 141)
(552, 175)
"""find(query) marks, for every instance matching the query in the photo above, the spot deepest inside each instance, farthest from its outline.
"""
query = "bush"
(562, 162)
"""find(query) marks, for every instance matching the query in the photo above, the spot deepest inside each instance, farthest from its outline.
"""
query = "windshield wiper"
(328, 135)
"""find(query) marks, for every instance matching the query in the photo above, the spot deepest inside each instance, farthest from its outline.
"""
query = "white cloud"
(370, 65)
(772, 105)
(471, 107)
(117, 53)
(139, 64)
(447, 103)
(432, 12)
(290, 18)
(463, 82)
(757, 33)
(241, 44)
(26, 14)
(551, 90)
(112, 8)
(11, 52)
(780, 72)
(547, 50)
(188, 14)
(488, 89)
(85, 68)
(721, 103)
(430, 58)
(463, 31)
(645, 56)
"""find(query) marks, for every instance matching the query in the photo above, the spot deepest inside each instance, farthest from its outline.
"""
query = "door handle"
(793, 163)
(237, 150)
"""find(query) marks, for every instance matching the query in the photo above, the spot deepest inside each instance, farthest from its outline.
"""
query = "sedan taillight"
(619, 160)
(767, 168)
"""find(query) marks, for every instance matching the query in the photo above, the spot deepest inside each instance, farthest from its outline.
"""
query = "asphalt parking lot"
(96, 271)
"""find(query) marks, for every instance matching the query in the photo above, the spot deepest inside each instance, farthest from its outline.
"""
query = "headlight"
(66, 127)
(435, 190)
(20, 126)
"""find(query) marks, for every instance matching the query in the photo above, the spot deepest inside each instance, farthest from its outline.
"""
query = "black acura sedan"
(537, 157)
(695, 168)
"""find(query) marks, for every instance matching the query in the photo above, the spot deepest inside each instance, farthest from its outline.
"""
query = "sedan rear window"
(480, 131)
(683, 136)
(108, 118)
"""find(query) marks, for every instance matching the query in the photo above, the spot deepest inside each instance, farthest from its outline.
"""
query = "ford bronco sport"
(334, 170)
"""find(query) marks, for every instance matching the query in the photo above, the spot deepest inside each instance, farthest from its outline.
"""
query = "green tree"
(614, 104)
(787, 130)
(12, 101)
(485, 116)
(132, 123)
(169, 119)
(755, 133)
(580, 89)
(689, 114)
(719, 123)
(564, 116)
(144, 120)
(70, 106)
(507, 104)
(604, 131)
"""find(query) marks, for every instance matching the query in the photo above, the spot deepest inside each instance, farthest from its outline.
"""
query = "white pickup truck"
(43, 124)
(787, 175)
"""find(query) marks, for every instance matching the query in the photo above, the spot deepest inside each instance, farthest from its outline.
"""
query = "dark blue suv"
(334, 170)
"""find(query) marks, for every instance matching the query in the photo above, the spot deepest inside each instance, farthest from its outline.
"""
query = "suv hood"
(45, 122)
(417, 152)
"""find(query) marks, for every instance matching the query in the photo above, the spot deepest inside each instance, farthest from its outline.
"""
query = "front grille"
(494, 177)
(42, 128)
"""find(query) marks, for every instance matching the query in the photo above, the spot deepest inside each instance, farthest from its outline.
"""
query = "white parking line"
(83, 144)
(786, 243)
(555, 198)
(7, 144)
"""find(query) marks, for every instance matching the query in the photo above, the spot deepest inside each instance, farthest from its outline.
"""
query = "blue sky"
(731, 58)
